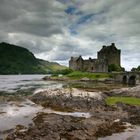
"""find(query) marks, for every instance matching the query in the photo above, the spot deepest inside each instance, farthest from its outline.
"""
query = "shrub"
(54, 75)
(97, 76)
(136, 69)
(114, 67)
(66, 71)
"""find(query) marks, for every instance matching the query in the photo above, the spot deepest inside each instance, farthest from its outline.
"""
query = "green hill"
(18, 60)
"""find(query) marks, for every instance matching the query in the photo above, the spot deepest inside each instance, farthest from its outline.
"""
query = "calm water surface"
(13, 83)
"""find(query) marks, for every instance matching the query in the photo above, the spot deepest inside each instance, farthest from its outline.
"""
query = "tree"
(136, 69)
(114, 67)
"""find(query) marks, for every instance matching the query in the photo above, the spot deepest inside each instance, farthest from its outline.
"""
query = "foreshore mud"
(79, 115)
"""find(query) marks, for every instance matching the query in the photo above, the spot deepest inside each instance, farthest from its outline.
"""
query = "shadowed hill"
(18, 60)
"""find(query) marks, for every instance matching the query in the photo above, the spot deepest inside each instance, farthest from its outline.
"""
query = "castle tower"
(111, 54)
(76, 63)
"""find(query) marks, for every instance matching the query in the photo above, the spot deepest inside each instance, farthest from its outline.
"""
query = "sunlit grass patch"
(126, 100)
(79, 75)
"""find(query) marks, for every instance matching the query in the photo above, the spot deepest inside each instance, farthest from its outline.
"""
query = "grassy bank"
(126, 100)
(80, 75)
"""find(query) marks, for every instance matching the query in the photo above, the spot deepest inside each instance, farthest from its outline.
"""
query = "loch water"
(14, 83)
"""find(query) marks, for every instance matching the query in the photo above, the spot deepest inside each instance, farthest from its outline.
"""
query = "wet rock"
(51, 78)
(69, 99)
(56, 127)
(85, 79)
(110, 128)
(129, 91)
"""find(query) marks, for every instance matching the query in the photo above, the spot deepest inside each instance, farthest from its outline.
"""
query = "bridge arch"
(132, 80)
(129, 78)
(124, 79)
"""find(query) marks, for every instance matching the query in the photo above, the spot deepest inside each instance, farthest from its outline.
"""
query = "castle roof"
(76, 58)
(111, 47)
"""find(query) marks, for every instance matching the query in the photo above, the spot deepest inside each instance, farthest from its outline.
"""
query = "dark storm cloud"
(9, 10)
(57, 29)
(36, 47)
(40, 18)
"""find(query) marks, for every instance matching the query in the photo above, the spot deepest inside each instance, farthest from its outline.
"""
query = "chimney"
(113, 44)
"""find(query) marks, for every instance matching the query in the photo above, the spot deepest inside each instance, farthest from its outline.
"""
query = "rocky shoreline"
(84, 79)
(127, 91)
(104, 120)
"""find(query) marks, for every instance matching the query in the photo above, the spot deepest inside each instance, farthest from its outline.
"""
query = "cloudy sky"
(55, 30)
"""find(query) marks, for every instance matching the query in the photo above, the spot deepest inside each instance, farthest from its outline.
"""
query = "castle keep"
(106, 56)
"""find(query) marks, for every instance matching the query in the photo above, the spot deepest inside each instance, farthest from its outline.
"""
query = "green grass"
(57, 67)
(126, 100)
(79, 75)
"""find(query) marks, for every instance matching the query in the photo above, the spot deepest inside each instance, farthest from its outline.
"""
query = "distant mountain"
(18, 60)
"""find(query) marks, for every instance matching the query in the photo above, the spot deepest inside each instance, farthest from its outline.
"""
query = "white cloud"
(53, 34)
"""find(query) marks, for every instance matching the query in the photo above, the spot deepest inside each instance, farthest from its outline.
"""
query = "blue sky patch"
(70, 10)
(73, 30)
(79, 13)
(73, 27)
(85, 18)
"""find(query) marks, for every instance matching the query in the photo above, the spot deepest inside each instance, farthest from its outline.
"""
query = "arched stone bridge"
(130, 78)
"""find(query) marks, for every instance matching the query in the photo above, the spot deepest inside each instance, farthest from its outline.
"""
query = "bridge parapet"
(130, 78)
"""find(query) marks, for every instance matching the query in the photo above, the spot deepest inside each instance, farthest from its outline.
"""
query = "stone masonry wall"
(106, 56)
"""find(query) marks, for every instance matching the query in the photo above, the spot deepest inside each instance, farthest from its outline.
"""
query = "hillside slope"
(18, 60)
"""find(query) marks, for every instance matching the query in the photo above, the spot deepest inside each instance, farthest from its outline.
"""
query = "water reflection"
(74, 114)
(14, 113)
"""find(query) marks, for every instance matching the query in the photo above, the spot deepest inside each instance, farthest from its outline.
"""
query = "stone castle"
(106, 56)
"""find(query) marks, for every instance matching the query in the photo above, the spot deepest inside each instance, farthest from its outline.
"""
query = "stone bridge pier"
(129, 78)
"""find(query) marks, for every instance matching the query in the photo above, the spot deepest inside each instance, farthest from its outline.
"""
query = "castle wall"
(76, 64)
(111, 54)
(106, 56)
(80, 64)
(91, 65)
(95, 65)
(112, 57)
(86, 65)
(72, 65)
